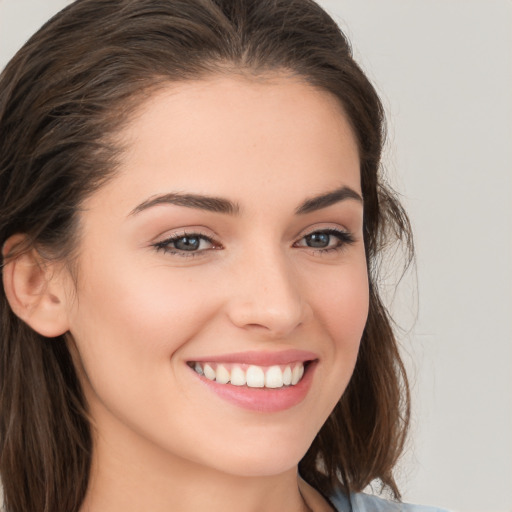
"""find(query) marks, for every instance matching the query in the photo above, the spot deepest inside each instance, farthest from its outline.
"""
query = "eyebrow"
(227, 207)
(200, 202)
(328, 199)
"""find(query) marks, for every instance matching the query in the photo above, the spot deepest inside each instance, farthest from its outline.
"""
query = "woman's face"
(229, 246)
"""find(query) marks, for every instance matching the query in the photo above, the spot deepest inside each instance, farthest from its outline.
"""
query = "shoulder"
(361, 502)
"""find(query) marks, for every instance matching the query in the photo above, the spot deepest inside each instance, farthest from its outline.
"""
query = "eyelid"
(181, 231)
(345, 237)
(165, 244)
(324, 227)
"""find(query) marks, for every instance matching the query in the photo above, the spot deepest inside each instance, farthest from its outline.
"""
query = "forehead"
(224, 133)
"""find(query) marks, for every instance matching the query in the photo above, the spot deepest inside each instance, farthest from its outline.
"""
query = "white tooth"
(255, 377)
(198, 368)
(209, 372)
(237, 376)
(298, 371)
(301, 371)
(222, 375)
(274, 377)
(287, 376)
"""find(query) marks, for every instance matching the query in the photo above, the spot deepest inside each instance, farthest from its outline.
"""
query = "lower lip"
(263, 399)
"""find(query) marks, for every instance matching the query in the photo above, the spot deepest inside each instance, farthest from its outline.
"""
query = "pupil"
(318, 240)
(187, 243)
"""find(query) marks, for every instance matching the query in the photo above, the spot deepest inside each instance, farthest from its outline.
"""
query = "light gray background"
(444, 70)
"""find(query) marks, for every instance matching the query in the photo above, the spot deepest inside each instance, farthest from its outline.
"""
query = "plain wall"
(444, 71)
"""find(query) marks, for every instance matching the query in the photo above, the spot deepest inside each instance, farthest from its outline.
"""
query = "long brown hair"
(63, 97)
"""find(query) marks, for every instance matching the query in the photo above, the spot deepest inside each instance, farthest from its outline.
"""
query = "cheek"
(342, 310)
(341, 302)
(127, 328)
(348, 312)
(136, 318)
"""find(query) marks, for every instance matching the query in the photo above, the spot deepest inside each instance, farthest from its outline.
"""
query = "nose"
(265, 297)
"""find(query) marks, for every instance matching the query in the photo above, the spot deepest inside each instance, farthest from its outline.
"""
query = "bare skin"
(162, 284)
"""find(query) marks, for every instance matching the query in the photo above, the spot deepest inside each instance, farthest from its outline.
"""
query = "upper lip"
(261, 358)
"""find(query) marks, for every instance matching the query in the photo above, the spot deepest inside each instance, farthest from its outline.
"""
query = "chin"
(255, 461)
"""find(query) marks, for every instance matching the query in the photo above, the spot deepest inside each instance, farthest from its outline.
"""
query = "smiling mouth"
(252, 376)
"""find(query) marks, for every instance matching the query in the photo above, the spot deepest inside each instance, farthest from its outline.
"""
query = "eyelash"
(344, 238)
(166, 245)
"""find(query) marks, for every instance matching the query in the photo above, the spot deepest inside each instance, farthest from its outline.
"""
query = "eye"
(326, 240)
(186, 244)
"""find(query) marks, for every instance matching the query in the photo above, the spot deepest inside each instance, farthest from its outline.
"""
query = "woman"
(191, 220)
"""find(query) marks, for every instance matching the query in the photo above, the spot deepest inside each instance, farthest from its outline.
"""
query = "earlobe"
(34, 289)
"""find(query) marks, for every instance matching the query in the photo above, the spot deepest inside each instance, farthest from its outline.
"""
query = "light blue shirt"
(366, 503)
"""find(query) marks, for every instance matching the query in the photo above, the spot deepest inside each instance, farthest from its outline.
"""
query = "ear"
(35, 289)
